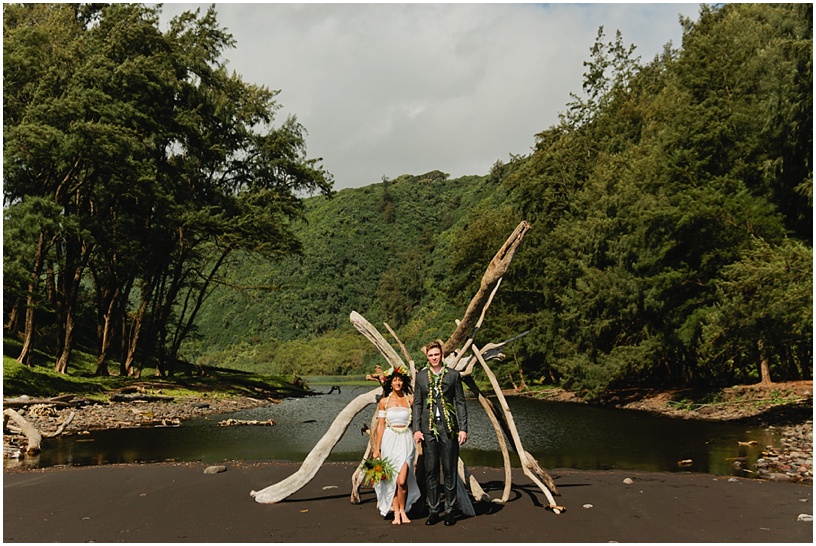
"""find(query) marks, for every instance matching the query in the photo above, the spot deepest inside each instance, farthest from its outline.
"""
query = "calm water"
(559, 435)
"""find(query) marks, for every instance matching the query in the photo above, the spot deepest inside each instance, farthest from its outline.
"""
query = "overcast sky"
(389, 89)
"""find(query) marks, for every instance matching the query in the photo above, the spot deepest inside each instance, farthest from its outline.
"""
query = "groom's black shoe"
(433, 519)
(450, 519)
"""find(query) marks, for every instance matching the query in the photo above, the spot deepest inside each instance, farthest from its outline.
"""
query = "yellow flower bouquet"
(377, 469)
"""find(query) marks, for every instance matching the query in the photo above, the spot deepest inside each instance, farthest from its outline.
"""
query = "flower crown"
(399, 369)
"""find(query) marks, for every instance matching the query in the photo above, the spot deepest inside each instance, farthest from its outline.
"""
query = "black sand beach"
(179, 503)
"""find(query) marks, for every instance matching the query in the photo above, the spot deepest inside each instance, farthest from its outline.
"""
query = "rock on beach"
(793, 460)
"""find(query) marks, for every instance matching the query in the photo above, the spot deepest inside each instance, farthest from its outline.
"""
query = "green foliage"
(653, 188)
(765, 303)
(336, 353)
(156, 163)
(353, 258)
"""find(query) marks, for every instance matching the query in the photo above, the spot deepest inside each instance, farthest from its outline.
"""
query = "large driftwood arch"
(455, 349)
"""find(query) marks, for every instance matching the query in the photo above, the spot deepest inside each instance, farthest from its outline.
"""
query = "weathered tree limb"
(244, 422)
(523, 455)
(61, 427)
(495, 271)
(476, 328)
(478, 306)
(358, 476)
(489, 410)
(64, 401)
(405, 353)
(31, 433)
(385, 348)
(308, 470)
(140, 397)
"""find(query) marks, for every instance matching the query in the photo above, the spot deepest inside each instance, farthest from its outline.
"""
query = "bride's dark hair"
(406, 383)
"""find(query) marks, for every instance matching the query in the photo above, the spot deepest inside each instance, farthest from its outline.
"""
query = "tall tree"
(162, 162)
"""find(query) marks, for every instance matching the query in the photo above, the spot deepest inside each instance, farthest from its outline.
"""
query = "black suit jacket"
(452, 391)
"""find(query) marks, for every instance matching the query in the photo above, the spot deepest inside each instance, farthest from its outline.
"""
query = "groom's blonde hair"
(436, 344)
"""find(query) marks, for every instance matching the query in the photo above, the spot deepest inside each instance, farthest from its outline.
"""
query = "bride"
(394, 441)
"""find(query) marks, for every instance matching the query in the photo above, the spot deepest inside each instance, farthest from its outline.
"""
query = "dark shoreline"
(177, 502)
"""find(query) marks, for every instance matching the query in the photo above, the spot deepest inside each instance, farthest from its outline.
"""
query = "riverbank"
(180, 503)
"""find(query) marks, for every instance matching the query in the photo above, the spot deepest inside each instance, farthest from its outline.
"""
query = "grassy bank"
(40, 380)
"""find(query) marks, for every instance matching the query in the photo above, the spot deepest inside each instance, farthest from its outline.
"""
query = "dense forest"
(154, 212)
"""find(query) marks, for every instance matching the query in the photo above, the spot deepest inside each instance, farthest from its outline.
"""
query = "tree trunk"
(135, 332)
(184, 326)
(764, 365)
(33, 283)
(105, 331)
(14, 317)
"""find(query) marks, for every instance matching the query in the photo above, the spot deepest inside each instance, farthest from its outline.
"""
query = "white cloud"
(391, 89)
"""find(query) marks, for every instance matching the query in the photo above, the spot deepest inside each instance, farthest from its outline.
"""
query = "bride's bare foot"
(404, 517)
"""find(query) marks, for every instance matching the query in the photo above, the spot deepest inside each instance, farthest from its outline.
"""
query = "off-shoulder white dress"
(399, 448)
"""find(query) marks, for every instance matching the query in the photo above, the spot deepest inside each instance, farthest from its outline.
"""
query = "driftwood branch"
(495, 271)
(525, 458)
(61, 427)
(32, 435)
(140, 398)
(358, 477)
(476, 328)
(464, 333)
(315, 458)
(405, 353)
(64, 401)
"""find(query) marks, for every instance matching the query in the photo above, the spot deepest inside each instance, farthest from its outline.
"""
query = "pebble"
(628, 481)
(215, 469)
(793, 460)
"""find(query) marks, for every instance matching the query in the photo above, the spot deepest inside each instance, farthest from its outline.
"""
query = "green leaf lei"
(448, 411)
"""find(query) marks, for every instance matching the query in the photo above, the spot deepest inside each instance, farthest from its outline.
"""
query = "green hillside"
(386, 251)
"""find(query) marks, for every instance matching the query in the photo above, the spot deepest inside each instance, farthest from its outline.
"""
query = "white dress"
(399, 448)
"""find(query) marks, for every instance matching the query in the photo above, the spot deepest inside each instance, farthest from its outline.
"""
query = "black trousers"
(442, 452)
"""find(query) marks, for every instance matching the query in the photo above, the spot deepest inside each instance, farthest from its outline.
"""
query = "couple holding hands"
(432, 414)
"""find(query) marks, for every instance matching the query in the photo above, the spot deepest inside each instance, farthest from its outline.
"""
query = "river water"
(558, 434)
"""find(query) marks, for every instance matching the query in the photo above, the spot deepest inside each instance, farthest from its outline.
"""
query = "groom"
(440, 424)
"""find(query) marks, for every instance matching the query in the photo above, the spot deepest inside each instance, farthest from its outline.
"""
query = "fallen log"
(64, 401)
(31, 433)
(116, 397)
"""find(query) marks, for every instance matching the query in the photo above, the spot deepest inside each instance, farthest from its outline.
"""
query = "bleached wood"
(495, 271)
(61, 427)
(32, 435)
(524, 456)
(308, 469)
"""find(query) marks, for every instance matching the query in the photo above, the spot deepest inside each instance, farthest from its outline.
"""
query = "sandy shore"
(179, 503)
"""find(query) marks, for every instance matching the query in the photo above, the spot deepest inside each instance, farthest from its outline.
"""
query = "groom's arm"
(416, 410)
(461, 407)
